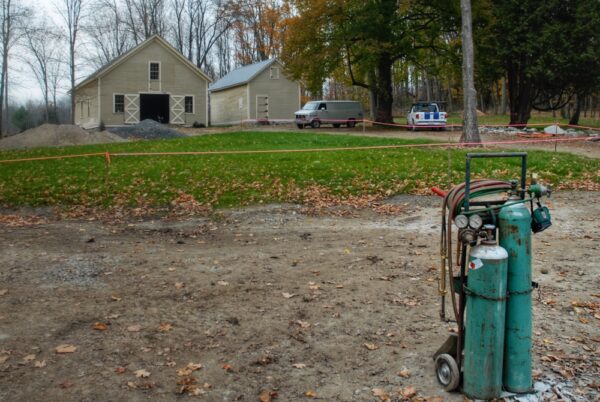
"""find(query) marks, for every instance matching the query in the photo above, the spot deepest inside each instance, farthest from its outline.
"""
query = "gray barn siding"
(284, 95)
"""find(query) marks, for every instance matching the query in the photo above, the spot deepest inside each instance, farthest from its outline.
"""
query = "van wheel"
(336, 125)
(300, 126)
(315, 124)
(351, 123)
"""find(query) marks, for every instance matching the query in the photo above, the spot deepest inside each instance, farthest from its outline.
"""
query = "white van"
(335, 113)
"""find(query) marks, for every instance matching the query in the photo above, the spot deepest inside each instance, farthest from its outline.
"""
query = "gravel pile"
(148, 130)
(55, 135)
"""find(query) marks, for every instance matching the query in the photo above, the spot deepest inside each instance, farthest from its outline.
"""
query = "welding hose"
(453, 201)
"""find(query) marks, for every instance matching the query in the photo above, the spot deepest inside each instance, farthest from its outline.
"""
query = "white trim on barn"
(132, 108)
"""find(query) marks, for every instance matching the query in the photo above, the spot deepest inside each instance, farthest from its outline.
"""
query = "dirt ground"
(271, 302)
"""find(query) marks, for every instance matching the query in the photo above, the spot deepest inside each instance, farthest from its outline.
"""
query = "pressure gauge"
(461, 221)
(475, 221)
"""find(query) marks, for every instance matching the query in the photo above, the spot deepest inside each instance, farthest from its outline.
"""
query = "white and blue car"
(426, 115)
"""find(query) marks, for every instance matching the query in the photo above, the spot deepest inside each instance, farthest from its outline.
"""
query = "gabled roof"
(122, 58)
(241, 76)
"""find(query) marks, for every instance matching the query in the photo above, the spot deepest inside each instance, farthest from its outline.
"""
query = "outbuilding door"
(177, 109)
(262, 107)
(132, 108)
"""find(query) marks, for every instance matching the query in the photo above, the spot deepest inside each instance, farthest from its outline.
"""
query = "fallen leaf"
(227, 368)
(134, 328)
(65, 384)
(131, 385)
(371, 346)
(179, 285)
(3, 292)
(115, 298)
(381, 394)
(61, 349)
(405, 373)
(171, 269)
(120, 370)
(39, 364)
(313, 286)
(3, 359)
(339, 286)
(303, 324)
(28, 358)
(267, 395)
(164, 327)
(194, 366)
(223, 283)
(99, 326)
(299, 365)
(310, 394)
(141, 373)
(288, 295)
(408, 392)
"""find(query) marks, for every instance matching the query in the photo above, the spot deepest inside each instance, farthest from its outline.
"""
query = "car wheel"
(300, 126)
(315, 124)
(351, 123)
(336, 125)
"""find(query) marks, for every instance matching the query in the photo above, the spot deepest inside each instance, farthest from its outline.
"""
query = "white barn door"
(132, 108)
(177, 109)
(262, 107)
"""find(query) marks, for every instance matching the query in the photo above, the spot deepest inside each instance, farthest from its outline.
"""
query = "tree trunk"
(575, 117)
(470, 127)
(504, 99)
(381, 90)
(519, 92)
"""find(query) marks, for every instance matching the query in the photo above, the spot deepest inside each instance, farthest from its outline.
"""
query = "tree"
(107, 31)
(145, 18)
(365, 38)
(549, 51)
(71, 14)
(11, 27)
(470, 128)
(43, 58)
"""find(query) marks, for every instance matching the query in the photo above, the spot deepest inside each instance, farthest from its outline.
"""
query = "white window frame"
(150, 71)
(115, 104)
(271, 70)
(193, 104)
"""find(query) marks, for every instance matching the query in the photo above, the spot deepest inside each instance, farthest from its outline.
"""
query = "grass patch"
(235, 180)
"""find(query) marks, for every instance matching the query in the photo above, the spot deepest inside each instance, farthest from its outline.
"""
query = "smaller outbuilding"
(257, 92)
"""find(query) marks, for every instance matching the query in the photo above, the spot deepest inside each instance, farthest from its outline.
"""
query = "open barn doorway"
(154, 107)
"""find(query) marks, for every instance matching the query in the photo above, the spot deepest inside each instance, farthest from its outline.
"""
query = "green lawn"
(233, 180)
(456, 118)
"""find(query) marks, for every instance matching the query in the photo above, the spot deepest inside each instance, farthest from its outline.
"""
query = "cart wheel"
(447, 372)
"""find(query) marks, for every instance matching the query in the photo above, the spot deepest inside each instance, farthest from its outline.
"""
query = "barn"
(151, 81)
(259, 91)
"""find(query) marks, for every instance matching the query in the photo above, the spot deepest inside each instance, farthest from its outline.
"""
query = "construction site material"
(147, 130)
(57, 135)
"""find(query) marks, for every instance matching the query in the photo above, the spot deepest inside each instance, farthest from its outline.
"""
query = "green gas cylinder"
(484, 326)
(515, 236)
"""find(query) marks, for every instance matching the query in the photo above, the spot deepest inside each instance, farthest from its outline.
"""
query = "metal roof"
(241, 75)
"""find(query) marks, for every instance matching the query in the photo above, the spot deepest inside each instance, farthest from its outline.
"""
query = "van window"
(311, 106)
(322, 106)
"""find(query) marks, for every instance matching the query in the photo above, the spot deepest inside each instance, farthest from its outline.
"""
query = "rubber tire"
(450, 378)
(315, 124)
(300, 126)
(336, 125)
(412, 126)
(351, 124)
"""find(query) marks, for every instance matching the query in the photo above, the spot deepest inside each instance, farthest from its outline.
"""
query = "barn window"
(189, 104)
(274, 73)
(119, 103)
(154, 71)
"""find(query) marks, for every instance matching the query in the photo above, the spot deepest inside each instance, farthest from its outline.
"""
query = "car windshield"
(311, 106)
